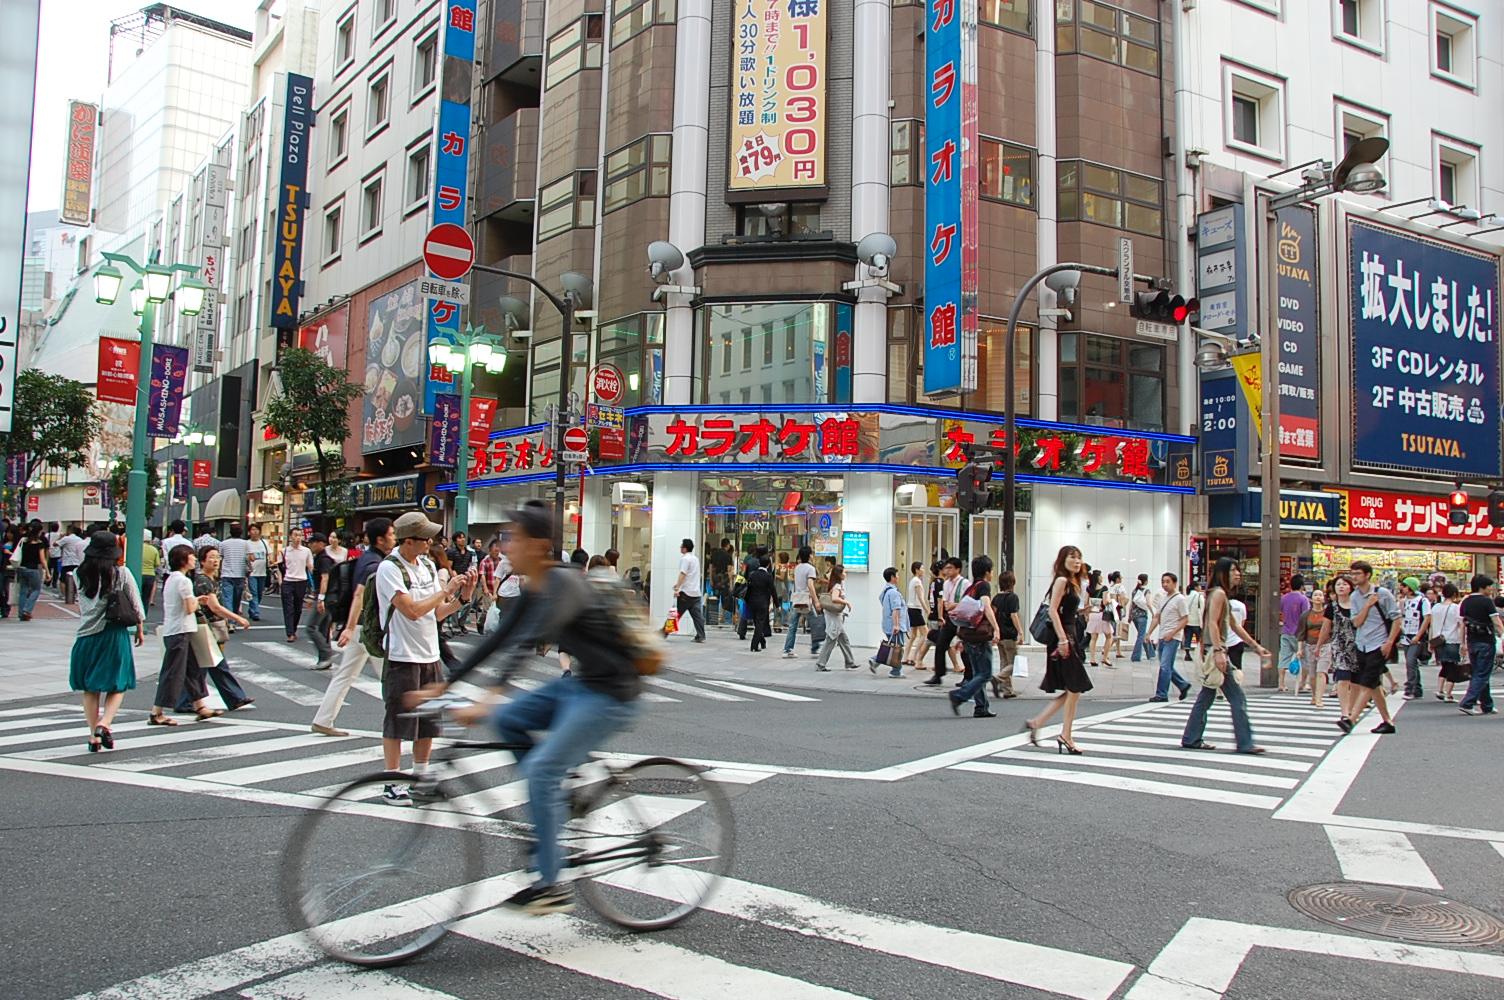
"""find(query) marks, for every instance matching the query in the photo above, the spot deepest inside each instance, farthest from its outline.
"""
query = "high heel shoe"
(93, 745)
(1062, 745)
(106, 738)
(1033, 732)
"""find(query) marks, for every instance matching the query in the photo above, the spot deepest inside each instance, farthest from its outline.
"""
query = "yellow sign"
(778, 95)
(1250, 376)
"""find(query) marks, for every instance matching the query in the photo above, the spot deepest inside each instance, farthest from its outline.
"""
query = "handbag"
(1294, 666)
(205, 650)
(118, 609)
(1041, 628)
(671, 623)
(890, 653)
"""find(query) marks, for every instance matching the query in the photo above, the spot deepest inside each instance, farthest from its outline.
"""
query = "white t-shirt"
(407, 640)
(339, 555)
(1175, 608)
(1416, 609)
(804, 581)
(173, 541)
(71, 550)
(690, 567)
(508, 583)
(1239, 616)
(176, 621)
(916, 593)
(298, 560)
(256, 557)
(1118, 594)
(1446, 621)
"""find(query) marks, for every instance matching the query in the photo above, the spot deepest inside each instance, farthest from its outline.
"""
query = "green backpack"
(372, 629)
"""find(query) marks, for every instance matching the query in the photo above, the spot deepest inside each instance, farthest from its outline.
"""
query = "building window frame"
(425, 64)
(630, 18)
(1267, 93)
(1102, 31)
(736, 324)
(906, 152)
(1077, 360)
(334, 231)
(417, 178)
(991, 13)
(634, 344)
(339, 135)
(639, 170)
(1367, 33)
(1018, 153)
(1084, 186)
(379, 24)
(1272, 7)
(372, 210)
(344, 41)
(380, 80)
(572, 196)
(574, 48)
(1460, 29)
(1462, 159)
(791, 222)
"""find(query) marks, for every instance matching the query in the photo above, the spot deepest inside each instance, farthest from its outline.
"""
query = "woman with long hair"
(1221, 662)
(101, 667)
(1065, 669)
(1340, 635)
(836, 607)
(212, 635)
(1097, 625)
(1313, 655)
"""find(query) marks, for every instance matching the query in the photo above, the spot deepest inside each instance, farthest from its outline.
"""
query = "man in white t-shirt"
(805, 603)
(297, 569)
(176, 536)
(1167, 626)
(687, 590)
(411, 601)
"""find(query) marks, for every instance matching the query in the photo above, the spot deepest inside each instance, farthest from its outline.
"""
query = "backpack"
(340, 590)
(970, 617)
(627, 618)
(372, 629)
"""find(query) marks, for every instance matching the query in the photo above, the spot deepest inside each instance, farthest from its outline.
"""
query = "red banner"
(1411, 517)
(202, 471)
(119, 362)
(328, 336)
(482, 415)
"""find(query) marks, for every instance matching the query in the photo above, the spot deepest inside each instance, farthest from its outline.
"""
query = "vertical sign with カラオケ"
(778, 95)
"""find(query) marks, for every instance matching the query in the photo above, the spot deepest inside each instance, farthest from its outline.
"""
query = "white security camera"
(877, 251)
(1064, 285)
(663, 260)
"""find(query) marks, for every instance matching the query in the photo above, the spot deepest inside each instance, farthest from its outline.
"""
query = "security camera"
(577, 288)
(1064, 285)
(877, 251)
(514, 313)
(663, 260)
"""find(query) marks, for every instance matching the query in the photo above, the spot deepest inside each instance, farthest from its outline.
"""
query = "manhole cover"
(1393, 912)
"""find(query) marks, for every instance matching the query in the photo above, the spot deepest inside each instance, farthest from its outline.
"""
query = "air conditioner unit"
(629, 494)
(911, 495)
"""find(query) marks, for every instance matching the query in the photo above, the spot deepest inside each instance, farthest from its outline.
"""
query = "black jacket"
(759, 589)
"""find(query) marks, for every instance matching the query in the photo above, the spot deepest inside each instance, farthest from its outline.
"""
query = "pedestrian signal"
(1164, 307)
(1496, 509)
(1457, 508)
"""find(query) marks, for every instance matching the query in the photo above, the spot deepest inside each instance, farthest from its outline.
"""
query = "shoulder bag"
(119, 609)
(1041, 628)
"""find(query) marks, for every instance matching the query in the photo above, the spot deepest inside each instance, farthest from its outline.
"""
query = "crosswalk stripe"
(249, 748)
(281, 651)
(285, 687)
(1163, 770)
(471, 764)
(1380, 856)
(67, 729)
(342, 982)
(182, 734)
(11, 713)
(1269, 725)
(1221, 728)
(764, 692)
(76, 721)
(1120, 783)
(277, 770)
(1101, 732)
(1097, 746)
(641, 963)
(490, 800)
(1037, 966)
(533, 684)
(664, 682)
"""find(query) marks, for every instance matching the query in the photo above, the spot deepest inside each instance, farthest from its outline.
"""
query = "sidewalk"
(35, 658)
(725, 657)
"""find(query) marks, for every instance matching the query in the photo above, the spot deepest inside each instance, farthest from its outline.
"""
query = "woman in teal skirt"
(102, 667)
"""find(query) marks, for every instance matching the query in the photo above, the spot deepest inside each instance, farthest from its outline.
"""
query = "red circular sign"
(576, 439)
(448, 251)
(607, 384)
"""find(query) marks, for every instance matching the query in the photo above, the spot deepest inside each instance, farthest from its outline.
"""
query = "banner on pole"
(119, 361)
(169, 376)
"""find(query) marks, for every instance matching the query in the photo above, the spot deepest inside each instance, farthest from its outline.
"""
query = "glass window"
(1108, 196)
(625, 344)
(417, 176)
(379, 103)
(1010, 14)
(575, 48)
(568, 203)
(370, 207)
(344, 40)
(1007, 172)
(1110, 382)
(339, 134)
(333, 220)
(1446, 182)
(777, 221)
(905, 142)
(781, 376)
(1245, 120)
(425, 63)
(632, 16)
(638, 171)
(385, 14)
(1106, 32)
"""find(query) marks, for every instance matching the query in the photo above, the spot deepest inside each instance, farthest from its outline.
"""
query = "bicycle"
(647, 841)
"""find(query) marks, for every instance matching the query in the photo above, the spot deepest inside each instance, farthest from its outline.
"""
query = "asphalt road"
(872, 832)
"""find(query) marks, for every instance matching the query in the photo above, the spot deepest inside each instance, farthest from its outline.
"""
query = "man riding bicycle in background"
(579, 710)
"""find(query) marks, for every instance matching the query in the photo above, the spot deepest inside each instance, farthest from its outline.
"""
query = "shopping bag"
(1294, 667)
(890, 653)
(671, 623)
(1021, 667)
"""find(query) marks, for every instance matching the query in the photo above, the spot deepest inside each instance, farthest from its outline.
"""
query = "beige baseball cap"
(415, 524)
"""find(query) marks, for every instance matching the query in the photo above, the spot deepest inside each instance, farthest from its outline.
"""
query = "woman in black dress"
(1065, 669)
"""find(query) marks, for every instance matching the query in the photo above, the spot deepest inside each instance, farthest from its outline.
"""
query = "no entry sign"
(576, 445)
(448, 251)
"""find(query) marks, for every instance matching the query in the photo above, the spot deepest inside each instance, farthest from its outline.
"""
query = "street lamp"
(192, 436)
(1357, 173)
(155, 284)
(459, 353)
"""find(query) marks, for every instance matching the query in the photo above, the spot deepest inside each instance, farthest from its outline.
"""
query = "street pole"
(462, 456)
(1268, 607)
(135, 495)
(566, 348)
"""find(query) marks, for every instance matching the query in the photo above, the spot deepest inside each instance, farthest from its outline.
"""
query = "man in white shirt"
(233, 552)
(411, 601)
(687, 590)
(1167, 626)
(205, 541)
(70, 550)
(297, 564)
(175, 537)
(179, 623)
(258, 561)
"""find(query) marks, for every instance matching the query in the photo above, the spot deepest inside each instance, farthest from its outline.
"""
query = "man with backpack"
(976, 626)
(579, 710)
(381, 539)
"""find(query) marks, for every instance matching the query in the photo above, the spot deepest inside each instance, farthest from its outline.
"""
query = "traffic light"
(1457, 508)
(971, 487)
(1163, 307)
(1496, 508)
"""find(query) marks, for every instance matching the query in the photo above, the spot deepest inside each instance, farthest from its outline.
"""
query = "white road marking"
(342, 982)
(1204, 956)
(11, 713)
(249, 748)
(76, 723)
(471, 764)
(1096, 746)
(1094, 732)
(490, 800)
(1221, 729)
(1065, 972)
(688, 689)
(640, 962)
(285, 687)
(257, 773)
(1163, 770)
(283, 651)
(1122, 784)
(163, 737)
(749, 689)
(1380, 856)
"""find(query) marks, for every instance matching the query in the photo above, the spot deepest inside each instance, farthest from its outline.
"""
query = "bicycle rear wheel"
(673, 835)
(376, 889)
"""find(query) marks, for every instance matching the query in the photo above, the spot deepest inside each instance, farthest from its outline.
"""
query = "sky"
(73, 53)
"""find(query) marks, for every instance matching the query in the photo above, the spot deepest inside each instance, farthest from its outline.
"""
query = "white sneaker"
(396, 795)
(790, 655)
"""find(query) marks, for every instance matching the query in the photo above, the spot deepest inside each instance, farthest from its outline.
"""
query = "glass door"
(986, 537)
(924, 534)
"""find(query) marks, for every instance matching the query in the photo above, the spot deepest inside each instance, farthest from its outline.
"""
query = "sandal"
(161, 720)
(208, 713)
(106, 738)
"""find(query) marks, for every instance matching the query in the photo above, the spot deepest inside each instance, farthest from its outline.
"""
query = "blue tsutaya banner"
(950, 197)
(451, 160)
(1425, 354)
(292, 202)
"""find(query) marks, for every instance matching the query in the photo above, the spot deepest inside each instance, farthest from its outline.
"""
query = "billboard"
(119, 365)
(18, 71)
(211, 264)
(1223, 468)
(1296, 280)
(396, 366)
(328, 337)
(950, 198)
(778, 95)
(1423, 319)
(292, 202)
(1221, 276)
(78, 165)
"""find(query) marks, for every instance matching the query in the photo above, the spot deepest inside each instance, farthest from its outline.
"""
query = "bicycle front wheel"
(654, 844)
(375, 889)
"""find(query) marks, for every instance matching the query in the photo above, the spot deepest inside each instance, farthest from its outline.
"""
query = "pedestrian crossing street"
(1141, 753)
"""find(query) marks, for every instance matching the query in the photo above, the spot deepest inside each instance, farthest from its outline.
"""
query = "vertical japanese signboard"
(78, 166)
(451, 158)
(1424, 318)
(18, 73)
(1295, 281)
(211, 261)
(292, 204)
(119, 363)
(1223, 468)
(1221, 272)
(778, 95)
(169, 376)
(950, 193)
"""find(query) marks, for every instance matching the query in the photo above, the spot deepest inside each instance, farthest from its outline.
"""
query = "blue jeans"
(255, 587)
(578, 719)
(979, 655)
(31, 588)
(1168, 649)
(232, 592)
(1482, 656)
(796, 617)
(1195, 727)
(1140, 623)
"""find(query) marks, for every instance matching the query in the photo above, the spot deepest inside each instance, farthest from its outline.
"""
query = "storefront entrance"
(986, 537)
(922, 534)
(780, 515)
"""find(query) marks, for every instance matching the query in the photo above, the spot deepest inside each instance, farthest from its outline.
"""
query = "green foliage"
(120, 485)
(53, 422)
(312, 407)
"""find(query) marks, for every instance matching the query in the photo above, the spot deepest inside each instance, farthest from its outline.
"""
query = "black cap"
(318, 536)
(533, 519)
(102, 544)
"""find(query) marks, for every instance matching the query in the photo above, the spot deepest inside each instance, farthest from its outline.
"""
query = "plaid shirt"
(488, 574)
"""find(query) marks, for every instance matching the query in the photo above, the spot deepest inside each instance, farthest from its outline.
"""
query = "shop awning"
(223, 506)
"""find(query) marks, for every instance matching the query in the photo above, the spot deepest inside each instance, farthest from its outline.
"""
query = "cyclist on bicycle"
(579, 710)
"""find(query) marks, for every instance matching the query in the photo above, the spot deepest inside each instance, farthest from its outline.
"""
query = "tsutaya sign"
(292, 203)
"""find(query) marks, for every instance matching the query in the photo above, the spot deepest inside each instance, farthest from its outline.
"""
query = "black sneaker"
(983, 713)
(955, 706)
(1345, 725)
(1383, 728)
(542, 899)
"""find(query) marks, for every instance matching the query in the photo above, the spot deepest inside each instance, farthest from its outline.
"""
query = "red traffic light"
(1459, 498)
(1184, 310)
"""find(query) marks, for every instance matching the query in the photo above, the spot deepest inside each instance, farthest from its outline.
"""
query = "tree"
(120, 477)
(312, 407)
(53, 422)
